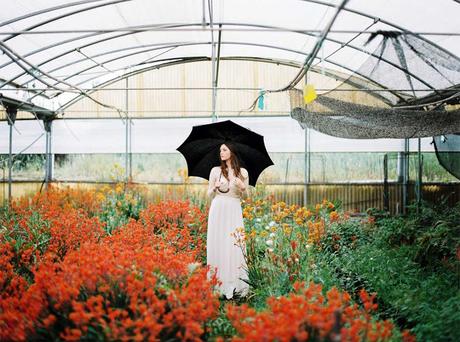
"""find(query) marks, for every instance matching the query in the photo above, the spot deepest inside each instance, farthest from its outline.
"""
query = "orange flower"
(334, 216)
(306, 311)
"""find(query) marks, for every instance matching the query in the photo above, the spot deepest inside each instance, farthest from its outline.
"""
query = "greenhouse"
(334, 123)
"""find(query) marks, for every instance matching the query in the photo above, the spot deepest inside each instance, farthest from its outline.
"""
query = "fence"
(354, 196)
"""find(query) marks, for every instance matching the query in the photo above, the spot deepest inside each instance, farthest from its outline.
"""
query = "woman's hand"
(240, 183)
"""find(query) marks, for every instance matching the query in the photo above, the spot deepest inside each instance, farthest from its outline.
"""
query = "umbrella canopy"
(201, 149)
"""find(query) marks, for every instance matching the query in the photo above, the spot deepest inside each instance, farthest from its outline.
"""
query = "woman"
(228, 183)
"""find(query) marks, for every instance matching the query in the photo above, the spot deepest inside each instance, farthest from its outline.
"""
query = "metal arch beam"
(30, 28)
(117, 1)
(179, 60)
(389, 23)
(194, 24)
(225, 43)
(318, 2)
(159, 46)
(29, 15)
(239, 24)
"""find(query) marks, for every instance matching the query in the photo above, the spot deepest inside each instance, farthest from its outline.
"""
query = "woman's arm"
(211, 187)
(244, 190)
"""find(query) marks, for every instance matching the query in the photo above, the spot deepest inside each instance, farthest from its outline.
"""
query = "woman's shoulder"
(244, 172)
(215, 169)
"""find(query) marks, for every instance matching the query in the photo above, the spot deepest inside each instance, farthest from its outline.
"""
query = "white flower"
(267, 227)
(272, 235)
(272, 223)
(296, 259)
(258, 219)
(193, 266)
(269, 242)
(307, 246)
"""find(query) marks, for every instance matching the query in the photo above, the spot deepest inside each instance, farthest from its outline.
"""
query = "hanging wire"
(318, 25)
(348, 42)
(23, 150)
(306, 66)
(17, 58)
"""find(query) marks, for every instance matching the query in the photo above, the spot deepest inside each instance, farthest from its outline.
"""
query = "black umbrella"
(201, 149)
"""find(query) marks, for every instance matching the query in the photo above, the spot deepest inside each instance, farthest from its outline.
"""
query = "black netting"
(411, 65)
(400, 91)
(448, 152)
(350, 120)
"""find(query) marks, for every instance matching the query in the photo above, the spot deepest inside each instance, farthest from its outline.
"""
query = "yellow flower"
(287, 231)
(119, 188)
(100, 197)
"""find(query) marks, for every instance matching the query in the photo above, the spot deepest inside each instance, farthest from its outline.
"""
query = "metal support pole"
(419, 175)
(309, 157)
(306, 198)
(47, 159)
(406, 176)
(48, 163)
(11, 114)
(386, 194)
(10, 162)
(130, 149)
(126, 134)
(213, 67)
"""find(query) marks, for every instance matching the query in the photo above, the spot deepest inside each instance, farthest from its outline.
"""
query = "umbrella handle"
(224, 192)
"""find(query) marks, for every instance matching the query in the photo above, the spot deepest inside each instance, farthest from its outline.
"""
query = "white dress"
(225, 216)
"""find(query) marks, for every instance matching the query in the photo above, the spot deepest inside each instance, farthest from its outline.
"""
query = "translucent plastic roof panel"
(87, 42)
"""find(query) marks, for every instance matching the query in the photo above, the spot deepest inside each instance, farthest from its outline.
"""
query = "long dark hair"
(234, 161)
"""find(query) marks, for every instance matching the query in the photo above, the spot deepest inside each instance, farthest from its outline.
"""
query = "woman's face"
(224, 152)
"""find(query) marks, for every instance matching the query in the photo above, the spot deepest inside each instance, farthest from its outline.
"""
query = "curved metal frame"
(183, 60)
(318, 2)
(356, 48)
(250, 25)
(224, 43)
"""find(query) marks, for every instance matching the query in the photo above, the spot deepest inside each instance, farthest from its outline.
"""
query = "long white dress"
(223, 253)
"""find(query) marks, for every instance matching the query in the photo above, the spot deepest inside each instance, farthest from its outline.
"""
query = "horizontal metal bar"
(165, 111)
(200, 29)
(236, 89)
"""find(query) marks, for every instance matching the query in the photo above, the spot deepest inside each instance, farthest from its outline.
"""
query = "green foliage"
(409, 261)
(220, 327)
(433, 230)
(29, 237)
(119, 206)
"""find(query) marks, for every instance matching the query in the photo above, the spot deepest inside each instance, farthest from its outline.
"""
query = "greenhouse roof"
(55, 51)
